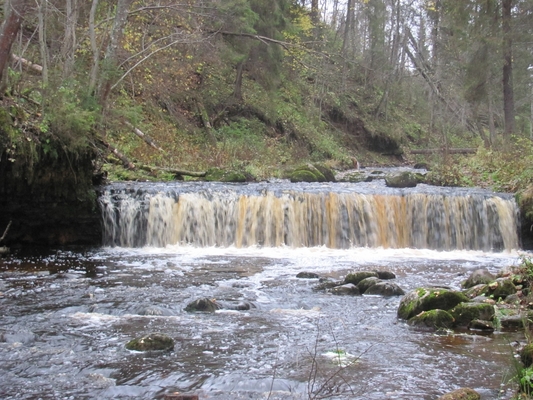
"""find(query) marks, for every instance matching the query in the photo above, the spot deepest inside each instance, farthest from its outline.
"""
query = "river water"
(66, 316)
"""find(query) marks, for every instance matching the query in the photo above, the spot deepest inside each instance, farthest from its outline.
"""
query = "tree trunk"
(43, 48)
(110, 59)
(315, 13)
(94, 47)
(68, 47)
(508, 94)
(15, 14)
(237, 92)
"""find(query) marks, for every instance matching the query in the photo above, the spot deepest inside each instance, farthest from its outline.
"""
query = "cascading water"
(338, 216)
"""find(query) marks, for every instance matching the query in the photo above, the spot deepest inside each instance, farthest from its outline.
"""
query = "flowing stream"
(66, 315)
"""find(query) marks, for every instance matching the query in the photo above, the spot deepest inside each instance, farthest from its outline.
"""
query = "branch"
(174, 171)
(143, 136)
(5, 232)
(127, 163)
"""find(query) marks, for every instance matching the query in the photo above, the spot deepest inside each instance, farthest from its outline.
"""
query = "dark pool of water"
(65, 318)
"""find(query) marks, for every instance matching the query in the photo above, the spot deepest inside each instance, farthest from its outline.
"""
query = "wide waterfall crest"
(306, 215)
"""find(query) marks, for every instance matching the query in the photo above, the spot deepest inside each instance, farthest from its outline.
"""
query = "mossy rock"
(306, 173)
(476, 291)
(219, 175)
(501, 288)
(465, 313)
(461, 394)
(151, 342)
(354, 177)
(326, 172)
(202, 305)
(356, 277)
(307, 275)
(303, 176)
(366, 283)
(432, 319)
(402, 180)
(478, 277)
(425, 299)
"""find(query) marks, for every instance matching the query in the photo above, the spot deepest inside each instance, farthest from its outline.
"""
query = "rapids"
(66, 316)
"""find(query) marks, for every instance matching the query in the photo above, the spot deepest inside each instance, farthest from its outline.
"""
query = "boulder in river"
(347, 289)
(478, 277)
(465, 313)
(403, 180)
(461, 394)
(307, 275)
(202, 305)
(425, 299)
(356, 277)
(432, 319)
(385, 289)
(151, 342)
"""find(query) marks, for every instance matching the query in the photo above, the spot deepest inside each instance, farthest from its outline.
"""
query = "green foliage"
(69, 115)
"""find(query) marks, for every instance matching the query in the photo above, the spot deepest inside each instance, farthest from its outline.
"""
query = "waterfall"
(306, 215)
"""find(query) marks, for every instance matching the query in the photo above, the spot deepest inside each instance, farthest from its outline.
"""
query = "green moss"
(151, 342)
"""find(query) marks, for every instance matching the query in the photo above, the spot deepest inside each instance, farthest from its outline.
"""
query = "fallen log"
(35, 68)
(144, 137)
(444, 150)
(127, 163)
(173, 171)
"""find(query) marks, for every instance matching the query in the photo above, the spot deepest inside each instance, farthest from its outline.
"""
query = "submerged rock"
(385, 275)
(425, 299)
(151, 342)
(461, 394)
(307, 275)
(202, 305)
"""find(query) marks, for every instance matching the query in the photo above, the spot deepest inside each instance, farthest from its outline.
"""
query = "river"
(66, 314)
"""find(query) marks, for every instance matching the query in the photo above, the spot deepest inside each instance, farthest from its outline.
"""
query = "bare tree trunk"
(42, 41)
(237, 92)
(15, 12)
(348, 26)
(94, 47)
(315, 13)
(507, 78)
(69, 43)
(110, 58)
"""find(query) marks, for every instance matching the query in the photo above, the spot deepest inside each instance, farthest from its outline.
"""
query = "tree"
(15, 11)
(507, 73)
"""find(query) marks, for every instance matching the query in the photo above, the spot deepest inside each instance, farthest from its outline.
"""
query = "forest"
(155, 87)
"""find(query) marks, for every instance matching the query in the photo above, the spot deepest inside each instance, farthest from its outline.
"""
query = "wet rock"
(326, 284)
(180, 396)
(347, 289)
(425, 299)
(307, 275)
(326, 171)
(385, 275)
(481, 325)
(513, 299)
(202, 305)
(432, 319)
(465, 313)
(511, 322)
(501, 288)
(235, 305)
(461, 394)
(151, 342)
(356, 277)
(478, 277)
(476, 291)
(366, 283)
(483, 299)
(153, 310)
(403, 180)
(308, 173)
(22, 336)
(385, 289)
(526, 355)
